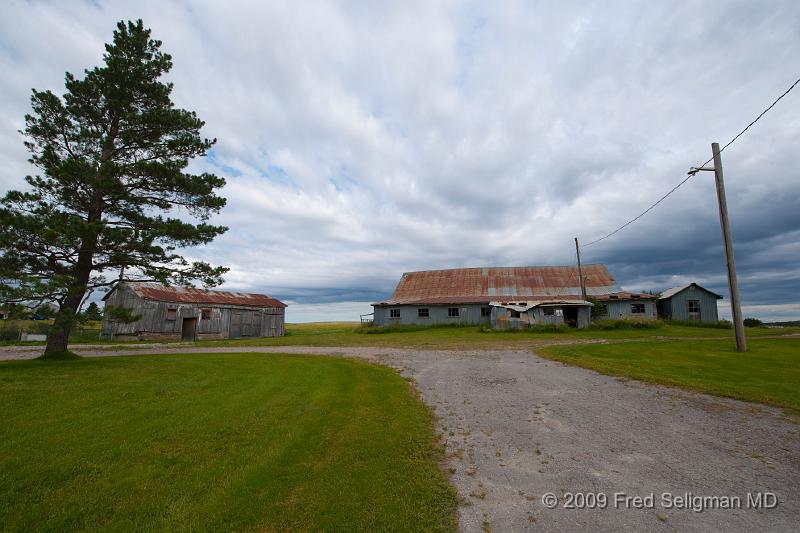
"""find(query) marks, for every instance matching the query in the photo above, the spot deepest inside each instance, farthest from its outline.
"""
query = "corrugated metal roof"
(625, 295)
(161, 293)
(482, 285)
(669, 293)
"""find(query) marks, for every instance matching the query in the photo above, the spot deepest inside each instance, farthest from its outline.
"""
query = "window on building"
(637, 309)
(549, 311)
(394, 313)
(172, 313)
(486, 311)
(205, 314)
(694, 306)
(423, 312)
(514, 314)
(452, 312)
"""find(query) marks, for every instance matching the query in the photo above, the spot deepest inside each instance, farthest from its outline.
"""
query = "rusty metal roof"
(161, 293)
(625, 295)
(482, 285)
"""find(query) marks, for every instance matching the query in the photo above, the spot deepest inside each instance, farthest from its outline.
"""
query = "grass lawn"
(223, 442)
(769, 372)
(344, 334)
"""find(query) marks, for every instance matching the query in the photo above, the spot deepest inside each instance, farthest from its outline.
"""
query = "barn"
(689, 302)
(178, 313)
(502, 297)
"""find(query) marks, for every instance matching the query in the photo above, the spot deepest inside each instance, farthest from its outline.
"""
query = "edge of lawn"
(555, 352)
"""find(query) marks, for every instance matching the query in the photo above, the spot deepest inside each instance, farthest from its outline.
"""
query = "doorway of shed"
(189, 329)
(571, 316)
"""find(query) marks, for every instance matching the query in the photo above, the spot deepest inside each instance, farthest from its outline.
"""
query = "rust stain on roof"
(482, 285)
(156, 291)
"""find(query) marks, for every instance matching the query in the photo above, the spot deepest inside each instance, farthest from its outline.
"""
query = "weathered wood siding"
(159, 322)
(438, 314)
(623, 309)
(676, 307)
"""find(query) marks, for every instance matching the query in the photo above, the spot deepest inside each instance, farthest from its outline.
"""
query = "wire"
(687, 178)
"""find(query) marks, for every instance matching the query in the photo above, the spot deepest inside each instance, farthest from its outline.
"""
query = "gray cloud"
(362, 139)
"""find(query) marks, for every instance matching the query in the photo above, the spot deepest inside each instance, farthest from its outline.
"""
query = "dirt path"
(517, 427)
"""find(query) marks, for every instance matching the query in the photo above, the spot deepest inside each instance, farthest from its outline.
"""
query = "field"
(472, 337)
(233, 442)
(768, 373)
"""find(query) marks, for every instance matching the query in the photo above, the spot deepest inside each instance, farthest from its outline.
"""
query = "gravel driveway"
(517, 427)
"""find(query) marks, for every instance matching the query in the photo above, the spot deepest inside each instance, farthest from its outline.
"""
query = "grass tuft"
(626, 323)
(404, 328)
(722, 324)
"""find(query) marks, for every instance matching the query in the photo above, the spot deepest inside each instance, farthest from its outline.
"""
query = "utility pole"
(580, 271)
(736, 309)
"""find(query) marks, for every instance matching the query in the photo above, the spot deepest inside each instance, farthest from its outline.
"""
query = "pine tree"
(93, 312)
(114, 194)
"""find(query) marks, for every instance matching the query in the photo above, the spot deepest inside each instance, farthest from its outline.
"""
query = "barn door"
(236, 325)
(189, 329)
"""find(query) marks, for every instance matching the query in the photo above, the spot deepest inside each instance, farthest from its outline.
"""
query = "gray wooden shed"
(626, 304)
(689, 302)
(178, 313)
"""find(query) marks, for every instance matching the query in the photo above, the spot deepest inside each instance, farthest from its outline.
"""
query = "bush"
(626, 323)
(753, 323)
(722, 324)
(550, 328)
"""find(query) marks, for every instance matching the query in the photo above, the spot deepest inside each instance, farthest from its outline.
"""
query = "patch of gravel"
(517, 426)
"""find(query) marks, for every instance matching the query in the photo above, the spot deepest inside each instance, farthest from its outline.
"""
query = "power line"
(687, 178)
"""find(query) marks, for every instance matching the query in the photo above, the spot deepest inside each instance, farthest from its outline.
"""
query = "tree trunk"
(58, 340)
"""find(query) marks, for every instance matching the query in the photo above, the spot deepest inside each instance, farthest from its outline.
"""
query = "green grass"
(768, 373)
(463, 337)
(216, 442)
(472, 337)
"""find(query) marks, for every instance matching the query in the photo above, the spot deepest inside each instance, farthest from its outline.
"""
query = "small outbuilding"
(689, 302)
(626, 305)
(178, 313)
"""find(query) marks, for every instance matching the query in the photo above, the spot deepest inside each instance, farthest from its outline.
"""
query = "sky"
(360, 140)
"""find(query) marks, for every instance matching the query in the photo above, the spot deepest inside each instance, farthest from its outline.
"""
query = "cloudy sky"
(360, 140)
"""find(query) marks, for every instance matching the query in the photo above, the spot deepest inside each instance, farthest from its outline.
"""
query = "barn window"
(452, 312)
(548, 311)
(423, 312)
(394, 313)
(486, 311)
(205, 314)
(514, 314)
(694, 306)
(172, 313)
(637, 309)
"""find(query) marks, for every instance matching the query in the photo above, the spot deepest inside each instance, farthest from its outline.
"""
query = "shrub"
(549, 328)
(753, 323)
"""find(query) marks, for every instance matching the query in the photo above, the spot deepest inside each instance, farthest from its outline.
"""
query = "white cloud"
(363, 139)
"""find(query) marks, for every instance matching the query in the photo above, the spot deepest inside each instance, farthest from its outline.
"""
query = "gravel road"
(517, 427)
